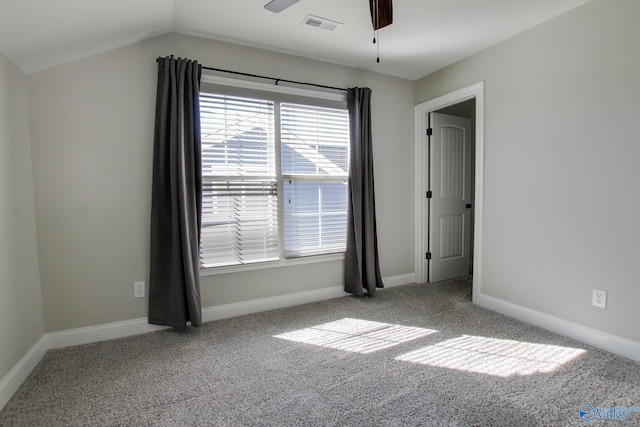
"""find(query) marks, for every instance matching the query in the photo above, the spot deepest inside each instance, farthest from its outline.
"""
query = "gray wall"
(562, 150)
(21, 322)
(92, 135)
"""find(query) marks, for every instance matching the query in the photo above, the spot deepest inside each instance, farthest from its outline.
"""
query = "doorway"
(467, 102)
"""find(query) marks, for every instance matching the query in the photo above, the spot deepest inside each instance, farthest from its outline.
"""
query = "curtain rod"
(275, 79)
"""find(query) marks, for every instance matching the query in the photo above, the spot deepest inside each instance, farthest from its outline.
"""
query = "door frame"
(421, 171)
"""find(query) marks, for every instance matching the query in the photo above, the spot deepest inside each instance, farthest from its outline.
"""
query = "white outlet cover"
(599, 298)
(138, 289)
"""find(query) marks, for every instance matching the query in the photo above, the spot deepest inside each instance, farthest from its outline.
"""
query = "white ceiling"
(426, 34)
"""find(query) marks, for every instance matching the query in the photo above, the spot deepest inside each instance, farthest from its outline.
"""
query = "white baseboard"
(16, 376)
(91, 334)
(289, 300)
(399, 280)
(127, 328)
(103, 332)
(10, 383)
(226, 311)
(605, 341)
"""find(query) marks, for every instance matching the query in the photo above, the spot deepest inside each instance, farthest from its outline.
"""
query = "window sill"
(213, 271)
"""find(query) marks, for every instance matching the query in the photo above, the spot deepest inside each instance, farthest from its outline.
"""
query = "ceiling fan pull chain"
(375, 20)
(379, 20)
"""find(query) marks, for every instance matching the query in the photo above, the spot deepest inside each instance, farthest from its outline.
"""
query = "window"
(274, 177)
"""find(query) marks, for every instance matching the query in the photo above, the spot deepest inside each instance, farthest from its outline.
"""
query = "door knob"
(469, 206)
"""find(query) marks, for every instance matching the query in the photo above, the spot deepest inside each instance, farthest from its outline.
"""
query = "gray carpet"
(411, 355)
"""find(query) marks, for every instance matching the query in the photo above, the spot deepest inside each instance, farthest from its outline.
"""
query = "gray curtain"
(176, 199)
(362, 267)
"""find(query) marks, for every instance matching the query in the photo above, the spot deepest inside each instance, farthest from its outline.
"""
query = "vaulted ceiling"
(426, 34)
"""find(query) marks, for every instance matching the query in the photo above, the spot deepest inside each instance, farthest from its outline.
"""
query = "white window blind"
(239, 196)
(314, 163)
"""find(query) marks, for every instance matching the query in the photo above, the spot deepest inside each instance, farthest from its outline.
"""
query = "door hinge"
(429, 131)
(429, 194)
(428, 255)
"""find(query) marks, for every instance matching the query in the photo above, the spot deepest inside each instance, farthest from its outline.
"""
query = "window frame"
(250, 88)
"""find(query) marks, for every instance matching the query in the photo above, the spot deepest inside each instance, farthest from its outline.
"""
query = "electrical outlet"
(599, 298)
(138, 289)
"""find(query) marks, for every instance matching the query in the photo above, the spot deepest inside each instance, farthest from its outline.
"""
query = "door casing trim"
(421, 212)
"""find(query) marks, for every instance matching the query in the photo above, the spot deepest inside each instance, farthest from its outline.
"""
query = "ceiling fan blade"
(278, 6)
(381, 13)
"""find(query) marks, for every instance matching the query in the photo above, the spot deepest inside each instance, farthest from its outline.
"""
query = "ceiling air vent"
(322, 23)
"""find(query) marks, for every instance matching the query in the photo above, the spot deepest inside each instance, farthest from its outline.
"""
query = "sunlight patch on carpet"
(493, 356)
(355, 335)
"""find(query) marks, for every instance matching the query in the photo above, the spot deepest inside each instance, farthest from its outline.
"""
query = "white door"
(450, 203)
